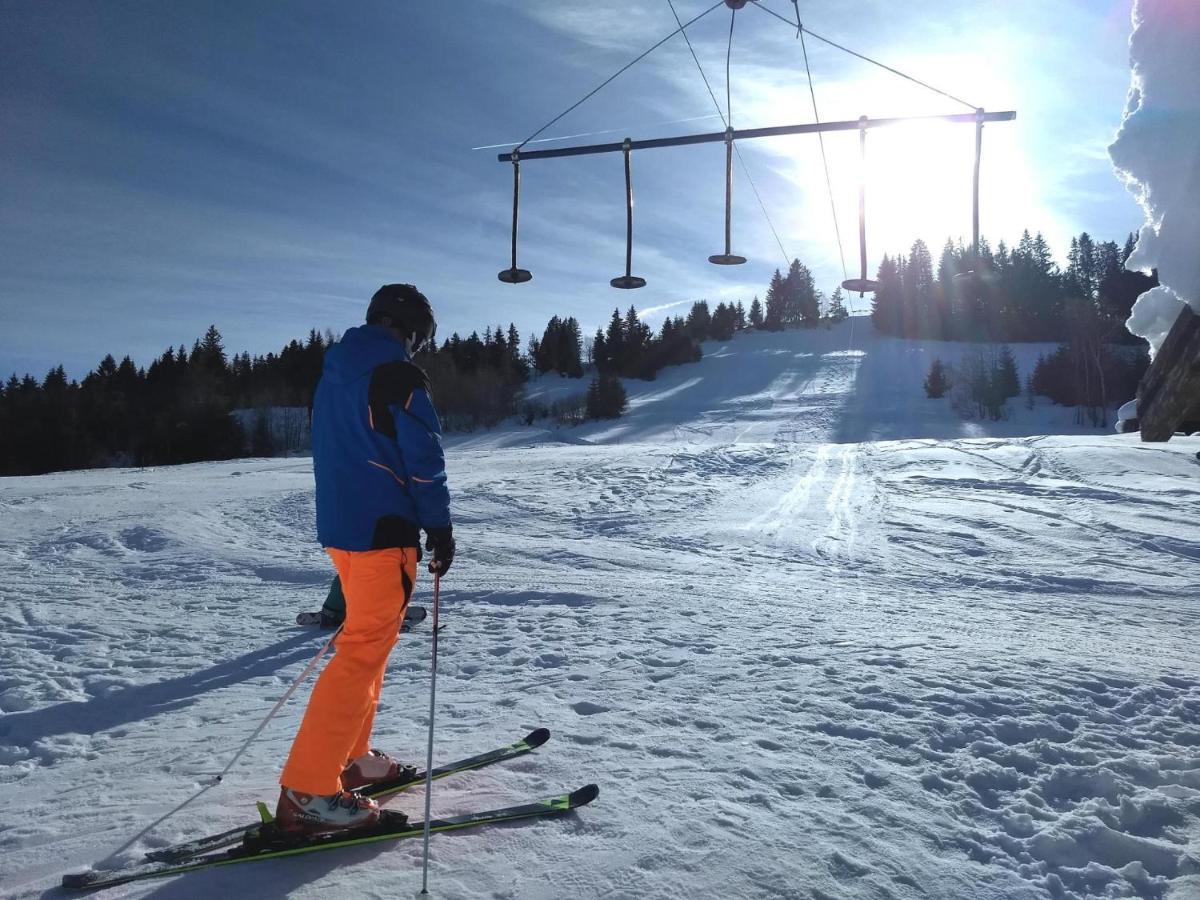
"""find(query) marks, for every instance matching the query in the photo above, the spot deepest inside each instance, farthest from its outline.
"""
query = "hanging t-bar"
(513, 275)
(628, 281)
(728, 258)
(972, 280)
(862, 284)
(717, 137)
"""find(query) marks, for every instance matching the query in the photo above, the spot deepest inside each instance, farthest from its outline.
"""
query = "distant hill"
(842, 384)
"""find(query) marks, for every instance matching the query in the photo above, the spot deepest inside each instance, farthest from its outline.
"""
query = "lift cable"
(837, 228)
(614, 76)
(728, 82)
(874, 62)
(736, 148)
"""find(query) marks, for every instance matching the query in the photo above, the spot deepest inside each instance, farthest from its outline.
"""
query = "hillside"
(798, 663)
(844, 384)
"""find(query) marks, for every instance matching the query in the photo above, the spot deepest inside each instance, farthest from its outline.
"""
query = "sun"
(919, 183)
(918, 175)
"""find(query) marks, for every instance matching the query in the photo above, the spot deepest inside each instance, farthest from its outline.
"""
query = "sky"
(264, 167)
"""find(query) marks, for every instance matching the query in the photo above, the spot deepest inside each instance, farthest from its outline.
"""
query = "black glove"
(440, 542)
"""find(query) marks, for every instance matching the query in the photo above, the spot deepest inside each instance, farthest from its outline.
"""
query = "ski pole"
(437, 590)
(217, 779)
(279, 705)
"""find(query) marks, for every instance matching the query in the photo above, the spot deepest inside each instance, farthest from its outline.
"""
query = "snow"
(1157, 152)
(845, 384)
(813, 636)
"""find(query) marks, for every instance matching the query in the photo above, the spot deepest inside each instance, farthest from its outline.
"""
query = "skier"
(333, 612)
(380, 479)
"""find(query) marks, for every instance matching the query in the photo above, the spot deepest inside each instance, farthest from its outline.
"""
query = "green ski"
(380, 791)
(265, 842)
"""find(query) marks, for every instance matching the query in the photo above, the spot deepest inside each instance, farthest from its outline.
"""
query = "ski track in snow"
(798, 668)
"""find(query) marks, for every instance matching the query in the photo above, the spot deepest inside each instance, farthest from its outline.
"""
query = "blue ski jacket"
(377, 446)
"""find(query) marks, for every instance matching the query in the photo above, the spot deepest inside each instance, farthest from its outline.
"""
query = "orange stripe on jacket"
(386, 469)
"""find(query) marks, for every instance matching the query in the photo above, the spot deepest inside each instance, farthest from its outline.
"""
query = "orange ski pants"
(337, 723)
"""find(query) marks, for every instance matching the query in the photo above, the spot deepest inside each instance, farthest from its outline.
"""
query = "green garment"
(335, 602)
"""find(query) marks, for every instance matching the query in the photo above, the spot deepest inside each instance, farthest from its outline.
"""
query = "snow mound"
(1157, 153)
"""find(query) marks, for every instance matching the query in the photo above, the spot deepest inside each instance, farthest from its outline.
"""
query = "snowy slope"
(799, 665)
(844, 384)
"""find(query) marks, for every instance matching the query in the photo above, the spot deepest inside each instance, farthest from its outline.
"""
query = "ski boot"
(373, 767)
(305, 814)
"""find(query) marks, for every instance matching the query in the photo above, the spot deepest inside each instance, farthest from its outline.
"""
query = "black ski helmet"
(407, 308)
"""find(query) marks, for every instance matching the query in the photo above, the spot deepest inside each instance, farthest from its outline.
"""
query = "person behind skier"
(380, 479)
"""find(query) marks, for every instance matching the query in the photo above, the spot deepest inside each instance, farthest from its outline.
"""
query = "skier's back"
(380, 479)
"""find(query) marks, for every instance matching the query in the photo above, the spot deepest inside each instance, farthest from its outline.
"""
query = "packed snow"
(1157, 152)
(812, 635)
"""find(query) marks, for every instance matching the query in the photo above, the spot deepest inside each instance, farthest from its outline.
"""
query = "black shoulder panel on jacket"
(391, 385)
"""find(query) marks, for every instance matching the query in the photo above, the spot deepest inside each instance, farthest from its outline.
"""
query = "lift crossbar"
(746, 133)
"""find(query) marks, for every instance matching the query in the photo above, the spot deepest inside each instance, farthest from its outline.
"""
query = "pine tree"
(1087, 261)
(837, 309)
(615, 339)
(886, 305)
(571, 349)
(724, 322)
(1008, 381)
(518, 365)
(606, 397)
(536, 357)
(918, 292)
(211, 351)
(699, 321)
(756, 313)
(801, 304)
(599, 351)
(637, 343)
(948, 264)
(547, 356)
(773, 316)
(937, 382)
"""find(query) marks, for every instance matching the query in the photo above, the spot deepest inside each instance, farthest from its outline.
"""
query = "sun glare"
(918, 176)
(918, 181)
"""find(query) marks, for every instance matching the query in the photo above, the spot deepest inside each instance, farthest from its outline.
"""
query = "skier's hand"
(440, 542)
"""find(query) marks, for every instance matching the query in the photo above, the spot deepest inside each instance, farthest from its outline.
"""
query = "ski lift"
(972, 280)
(514, 275)
(860, 285)
(628, 281)
(728, 258)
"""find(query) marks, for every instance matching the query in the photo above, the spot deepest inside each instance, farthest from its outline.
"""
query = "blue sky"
(265, 166)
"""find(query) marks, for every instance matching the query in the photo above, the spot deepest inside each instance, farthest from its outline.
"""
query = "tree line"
(1023, 295)
(1017, 294)
(178, 408)
(986, 377)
